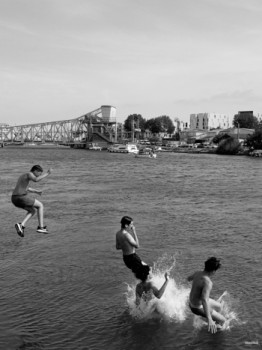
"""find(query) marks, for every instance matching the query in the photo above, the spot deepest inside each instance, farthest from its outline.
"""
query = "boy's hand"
(167, 276)
(49, 171)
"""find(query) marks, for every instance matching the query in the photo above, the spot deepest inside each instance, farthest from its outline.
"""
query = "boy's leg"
(215, 307)
(27, 217)
(217, 317)
(40, 212)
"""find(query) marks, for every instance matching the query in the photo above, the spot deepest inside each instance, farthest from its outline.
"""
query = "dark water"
(67, 290)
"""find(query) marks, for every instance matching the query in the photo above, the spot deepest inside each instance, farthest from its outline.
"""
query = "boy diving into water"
(126, 239)
(199, 301)
(146, 288)
(21, 198)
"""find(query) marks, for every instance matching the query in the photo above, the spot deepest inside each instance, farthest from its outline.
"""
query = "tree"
(154, 125)
(245, 120)
(166, 124)
(160, 124)
(139, 122)
(228, 146)
(254, 141)
(176, 137)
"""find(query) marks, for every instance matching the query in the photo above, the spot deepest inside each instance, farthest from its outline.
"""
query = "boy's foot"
(19, 229)
(42, 229)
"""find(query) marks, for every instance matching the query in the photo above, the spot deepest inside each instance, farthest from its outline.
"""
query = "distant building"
(207, 121)
(245, 113)
(184, 125)
(189, 136)
(198, 136)
(179, 125)
(258, 116)
(252, 114)
(238, 133)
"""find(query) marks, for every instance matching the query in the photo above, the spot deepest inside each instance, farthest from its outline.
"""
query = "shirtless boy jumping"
(21, 199)
(199, 301)
(126, 239)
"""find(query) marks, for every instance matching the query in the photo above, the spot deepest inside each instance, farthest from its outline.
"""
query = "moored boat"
(120, 148)
(146, 153)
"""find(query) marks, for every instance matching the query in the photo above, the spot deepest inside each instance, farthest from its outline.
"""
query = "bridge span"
(99, 124)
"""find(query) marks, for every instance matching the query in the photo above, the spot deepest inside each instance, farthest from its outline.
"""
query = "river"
(70, 289)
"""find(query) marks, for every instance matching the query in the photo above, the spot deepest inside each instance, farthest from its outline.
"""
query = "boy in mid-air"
(21, 198)
(126, 239)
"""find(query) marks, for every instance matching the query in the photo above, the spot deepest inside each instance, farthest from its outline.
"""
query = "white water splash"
(227, 311)
(173, 304)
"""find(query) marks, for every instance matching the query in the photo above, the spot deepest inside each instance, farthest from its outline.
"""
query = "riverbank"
(35, 145)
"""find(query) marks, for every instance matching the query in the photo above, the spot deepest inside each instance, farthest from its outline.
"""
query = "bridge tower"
(96, 126)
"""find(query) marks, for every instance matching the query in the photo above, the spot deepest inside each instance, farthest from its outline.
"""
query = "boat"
(145, 153)
(120, 148)
(94, 147)
(256, 153)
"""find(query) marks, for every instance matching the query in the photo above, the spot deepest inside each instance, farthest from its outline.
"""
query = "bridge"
(97, 126)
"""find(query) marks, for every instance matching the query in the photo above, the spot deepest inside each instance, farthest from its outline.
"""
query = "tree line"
(249, 121)
(154, 125)
(164, 124)
(229, 145)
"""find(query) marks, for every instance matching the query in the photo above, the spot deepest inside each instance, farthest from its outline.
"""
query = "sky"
(61, 59)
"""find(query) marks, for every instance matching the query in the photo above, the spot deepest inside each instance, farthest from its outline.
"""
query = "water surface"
(71, 290)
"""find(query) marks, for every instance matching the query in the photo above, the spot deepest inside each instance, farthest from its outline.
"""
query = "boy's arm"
(133, 241)
(138, 298)
(134, 238)
(32, 177)
(205, 301)
(159, 292)
(32, 190)
(117, 244)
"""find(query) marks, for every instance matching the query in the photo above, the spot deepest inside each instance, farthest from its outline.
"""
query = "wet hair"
(37, 168)
(126, 220)
(142, 273)
(212, 264)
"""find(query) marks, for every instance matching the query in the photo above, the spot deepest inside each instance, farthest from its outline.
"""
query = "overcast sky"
(63, 58)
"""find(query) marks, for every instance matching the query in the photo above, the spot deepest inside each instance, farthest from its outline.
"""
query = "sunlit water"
(71, 290)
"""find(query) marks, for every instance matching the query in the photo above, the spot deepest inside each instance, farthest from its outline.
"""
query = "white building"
(179, 125)
(207, 121)
(258, 116)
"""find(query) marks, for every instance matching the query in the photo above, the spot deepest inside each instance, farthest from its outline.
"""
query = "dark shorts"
(197, 311)
(133, 262)
(25, 202)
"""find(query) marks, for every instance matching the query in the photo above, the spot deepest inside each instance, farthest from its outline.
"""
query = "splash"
(173, 304)
(227, 311)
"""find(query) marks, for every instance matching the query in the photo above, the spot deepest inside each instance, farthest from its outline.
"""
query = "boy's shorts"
(25, 202)
(133, 262)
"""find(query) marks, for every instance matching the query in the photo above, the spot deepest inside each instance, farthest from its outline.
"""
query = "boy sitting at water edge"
(21, 198)
(127, 240)
(199, 301)
(146, 288)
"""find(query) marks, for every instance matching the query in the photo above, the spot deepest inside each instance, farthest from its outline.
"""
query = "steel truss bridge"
(100, 122)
